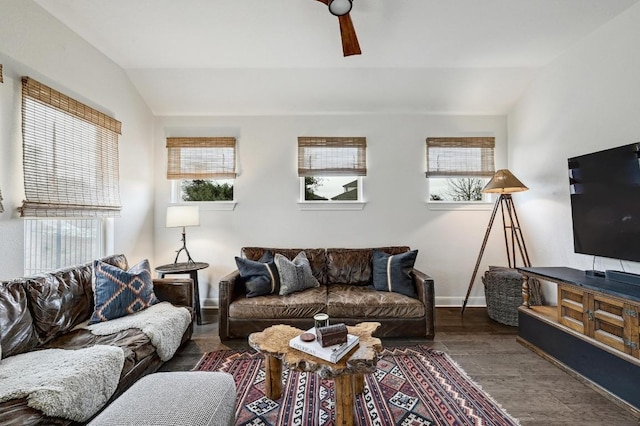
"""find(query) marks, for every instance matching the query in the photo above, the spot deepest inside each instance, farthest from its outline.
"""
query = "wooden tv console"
(593, 333)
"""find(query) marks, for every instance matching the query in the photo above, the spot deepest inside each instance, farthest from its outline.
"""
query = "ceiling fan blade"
(324, 1)
(350, 45)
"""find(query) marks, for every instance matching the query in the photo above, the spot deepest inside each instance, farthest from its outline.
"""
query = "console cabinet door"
(608, 320)
(632, 328)
(573, 308)
(611, 321)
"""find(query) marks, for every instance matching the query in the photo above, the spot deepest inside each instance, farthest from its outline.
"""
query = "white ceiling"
(212, 57)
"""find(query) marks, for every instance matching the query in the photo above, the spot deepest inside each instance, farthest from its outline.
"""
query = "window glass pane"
(331, 188)
(206, 190)
(457, 189)
(57, 243)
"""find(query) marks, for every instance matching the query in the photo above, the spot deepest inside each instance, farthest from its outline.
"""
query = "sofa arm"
(426, 293)
(228, 289)
(177, 291)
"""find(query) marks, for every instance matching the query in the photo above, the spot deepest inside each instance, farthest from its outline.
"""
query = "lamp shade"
(339, 7)
(504, 182)
(183, 216)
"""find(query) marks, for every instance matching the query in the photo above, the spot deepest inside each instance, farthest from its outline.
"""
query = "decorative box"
(332, 335)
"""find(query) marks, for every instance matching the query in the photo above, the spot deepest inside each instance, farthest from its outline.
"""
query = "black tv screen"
(605, 202)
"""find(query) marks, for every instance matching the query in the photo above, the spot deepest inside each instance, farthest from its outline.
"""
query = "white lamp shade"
(339, 7)
(183, 216)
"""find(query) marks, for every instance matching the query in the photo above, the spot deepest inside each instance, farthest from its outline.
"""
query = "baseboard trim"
(473, 302)
(210, 303)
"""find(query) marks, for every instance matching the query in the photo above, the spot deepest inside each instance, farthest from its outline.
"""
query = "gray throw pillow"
(295, 275)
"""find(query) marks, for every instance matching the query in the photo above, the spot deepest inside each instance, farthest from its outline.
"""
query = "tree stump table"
(347, 374)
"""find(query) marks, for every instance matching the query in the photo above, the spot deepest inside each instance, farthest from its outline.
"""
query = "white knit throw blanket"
(71, 384)
(163, 323)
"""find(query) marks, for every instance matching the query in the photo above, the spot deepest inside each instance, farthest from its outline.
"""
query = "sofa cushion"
(303, 304)
(260, 277)
(393, 272)
(353, 266)
(119, 293)
(17, 334)
(316, 257)
(348, 301)
(60, 300)
(135, 344)
(295, 275)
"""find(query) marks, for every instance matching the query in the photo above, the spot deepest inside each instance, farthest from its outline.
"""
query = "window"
(203, 169)
(56, 243)
(458, 168)
(71, 178)
(331, 169)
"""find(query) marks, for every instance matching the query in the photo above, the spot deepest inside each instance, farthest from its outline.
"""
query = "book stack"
(329, 353)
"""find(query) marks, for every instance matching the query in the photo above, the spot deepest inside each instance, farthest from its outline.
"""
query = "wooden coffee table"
(347, 374)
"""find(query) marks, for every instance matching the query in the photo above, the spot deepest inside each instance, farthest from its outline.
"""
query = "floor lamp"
(503, 183)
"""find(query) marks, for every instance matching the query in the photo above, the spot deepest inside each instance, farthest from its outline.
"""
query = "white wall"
(34, 44)
(587, 100)
(267, 191)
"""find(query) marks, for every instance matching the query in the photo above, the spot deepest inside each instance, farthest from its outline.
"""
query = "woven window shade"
(460, 157)
(333, 156)
(70, 156)
(201, 158)
(1, 79)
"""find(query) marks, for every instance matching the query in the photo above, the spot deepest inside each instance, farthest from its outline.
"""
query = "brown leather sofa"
(345, 294)
(40, 312)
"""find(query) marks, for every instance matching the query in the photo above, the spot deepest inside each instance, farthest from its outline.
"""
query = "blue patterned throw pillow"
(260, 277)
(119, 293)
(393, 272)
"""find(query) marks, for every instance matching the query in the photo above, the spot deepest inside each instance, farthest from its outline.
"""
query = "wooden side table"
(347, 374)
(190, 268)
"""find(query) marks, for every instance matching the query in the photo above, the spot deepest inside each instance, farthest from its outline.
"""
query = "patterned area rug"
(412, 386)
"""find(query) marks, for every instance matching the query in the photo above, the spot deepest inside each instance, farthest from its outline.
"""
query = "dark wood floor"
(528, 387)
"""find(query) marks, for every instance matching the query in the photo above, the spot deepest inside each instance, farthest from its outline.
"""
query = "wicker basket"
(503, 293)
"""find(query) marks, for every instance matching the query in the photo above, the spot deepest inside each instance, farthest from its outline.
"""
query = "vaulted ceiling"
(228, 57)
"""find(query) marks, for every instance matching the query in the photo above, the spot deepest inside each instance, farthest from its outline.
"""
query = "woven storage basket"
(503, 293)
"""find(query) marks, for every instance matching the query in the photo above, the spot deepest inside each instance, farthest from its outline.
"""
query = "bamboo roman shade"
(332, 156)
(460, 157)
(201, 158)
(70, 156)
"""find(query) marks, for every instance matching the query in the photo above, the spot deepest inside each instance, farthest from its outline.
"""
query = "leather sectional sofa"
(345, 294)
(40, 312)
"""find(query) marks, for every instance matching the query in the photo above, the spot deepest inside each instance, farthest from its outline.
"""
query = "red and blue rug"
(412, 386)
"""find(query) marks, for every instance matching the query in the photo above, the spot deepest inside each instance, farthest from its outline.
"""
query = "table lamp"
(183, 216)
(504, 183)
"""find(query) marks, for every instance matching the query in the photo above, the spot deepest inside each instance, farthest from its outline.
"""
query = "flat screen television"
(605, 202)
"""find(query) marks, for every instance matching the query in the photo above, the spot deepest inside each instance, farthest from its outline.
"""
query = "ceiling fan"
(341, 9)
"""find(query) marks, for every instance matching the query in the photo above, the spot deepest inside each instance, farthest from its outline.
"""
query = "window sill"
(210, 205)
(331, 205)
(459, 205)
